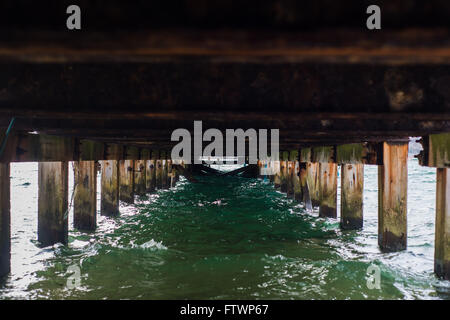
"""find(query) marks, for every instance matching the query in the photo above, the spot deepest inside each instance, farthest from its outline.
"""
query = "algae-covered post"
(85, 197)
(328, 190)
(126, 179)
(139, 177)
(392, 196)
(109, 204)
(442, 243)
(52, 203)
(352, 186)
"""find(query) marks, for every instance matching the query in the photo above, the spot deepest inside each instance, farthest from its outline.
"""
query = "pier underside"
(338, 93)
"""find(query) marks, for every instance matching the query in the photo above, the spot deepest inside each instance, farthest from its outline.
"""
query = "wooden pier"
(109, 97)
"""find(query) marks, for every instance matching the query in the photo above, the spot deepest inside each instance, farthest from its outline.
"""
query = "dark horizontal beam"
(119, 15)
(343, 46)
(244, 87)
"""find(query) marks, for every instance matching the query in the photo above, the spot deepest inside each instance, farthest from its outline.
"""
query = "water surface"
(223, 238)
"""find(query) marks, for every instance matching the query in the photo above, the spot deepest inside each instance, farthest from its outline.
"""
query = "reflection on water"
(224, 238)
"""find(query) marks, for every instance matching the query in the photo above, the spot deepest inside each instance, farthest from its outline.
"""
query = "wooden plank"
(350, 153)
(305, 155)
(91, 150)
(323, 154)
(439, 150)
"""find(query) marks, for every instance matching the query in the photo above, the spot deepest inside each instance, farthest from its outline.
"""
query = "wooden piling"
(5, 220)
(109, 203)
(52, 203)
(169, 173)
(277, 174)
(352, 185)
(164, 174)
(296, 182)
(304, 189)
(442, 235)
(328, 190)
(150, 175)
(392, 196)
(126, 180)
(290, 179)
(312, 178)
(139, 177)
(85, 197)
(284, 176)
(159, 174)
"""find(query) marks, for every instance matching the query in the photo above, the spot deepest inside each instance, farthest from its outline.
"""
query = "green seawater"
(223, 238)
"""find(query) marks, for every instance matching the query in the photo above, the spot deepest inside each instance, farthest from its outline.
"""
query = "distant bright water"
(224, 238)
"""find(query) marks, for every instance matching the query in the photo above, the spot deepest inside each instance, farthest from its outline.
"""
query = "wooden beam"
(323, 154)
(436, 151)
(52, 203)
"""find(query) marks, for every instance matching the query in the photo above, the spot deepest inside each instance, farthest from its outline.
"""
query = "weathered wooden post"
(284, 171)
(150, 175)
(109, 203)
(169, 174)
(159, 174)
(297, 184)
(139, 177)
(304, 189)
(126, 180)
(5, 220)
(312, 178)
(164, 171)
(392, 196)
(294, 189)
(328, 190)
(260, 164)
(276, 174)
(352, 186)
(85, 197)
(442, 235)
(290, 179)
(52, 203)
